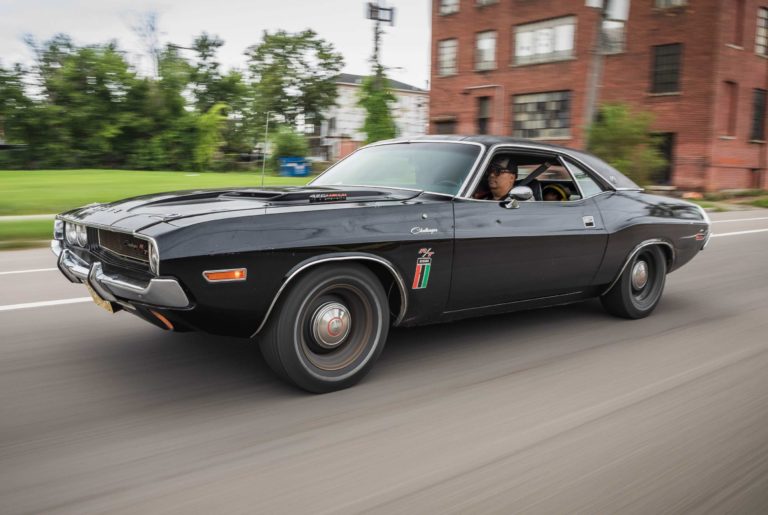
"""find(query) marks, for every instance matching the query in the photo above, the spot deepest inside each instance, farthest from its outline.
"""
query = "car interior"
(545, 175)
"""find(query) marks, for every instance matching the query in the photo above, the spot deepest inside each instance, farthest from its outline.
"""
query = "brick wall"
(705, 157)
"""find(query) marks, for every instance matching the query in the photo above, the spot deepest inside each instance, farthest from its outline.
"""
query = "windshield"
(437, 167)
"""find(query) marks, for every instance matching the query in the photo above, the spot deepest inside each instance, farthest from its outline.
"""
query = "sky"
(240, 23)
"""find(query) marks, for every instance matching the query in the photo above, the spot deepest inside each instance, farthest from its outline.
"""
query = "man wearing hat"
(501, 177)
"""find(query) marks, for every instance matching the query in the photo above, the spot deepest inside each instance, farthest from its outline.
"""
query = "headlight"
(82, 235)
(71, 230)
(154, 259)
(58, 230)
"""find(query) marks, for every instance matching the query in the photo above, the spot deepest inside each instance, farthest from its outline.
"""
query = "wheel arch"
(383, 269)
(666, 247)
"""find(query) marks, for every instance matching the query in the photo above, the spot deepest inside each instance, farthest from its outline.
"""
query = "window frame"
(536, 26)
(481, 66)
(569, 128)
(453, 8)
(761, 126)
(455, 57)
(761, 10)
(656, 85)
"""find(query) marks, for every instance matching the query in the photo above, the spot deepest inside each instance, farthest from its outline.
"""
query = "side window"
(587, 184)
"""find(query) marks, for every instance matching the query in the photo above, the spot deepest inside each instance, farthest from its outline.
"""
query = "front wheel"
(638, 290)
(329, 329)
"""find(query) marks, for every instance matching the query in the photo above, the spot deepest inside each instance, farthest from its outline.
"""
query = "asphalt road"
(561, 410)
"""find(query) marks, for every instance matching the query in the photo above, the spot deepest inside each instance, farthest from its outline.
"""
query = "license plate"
(98, 300)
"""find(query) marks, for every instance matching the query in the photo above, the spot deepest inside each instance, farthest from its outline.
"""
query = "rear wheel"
(639, 289)
(329, 328)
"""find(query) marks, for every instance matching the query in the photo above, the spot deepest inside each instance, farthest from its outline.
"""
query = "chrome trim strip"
(135, 234)
(471, 172)
(357, 257)
(244, 278)
(161, 292)
(646, 243)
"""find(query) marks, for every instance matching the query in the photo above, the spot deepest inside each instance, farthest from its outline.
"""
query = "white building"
(340, 132)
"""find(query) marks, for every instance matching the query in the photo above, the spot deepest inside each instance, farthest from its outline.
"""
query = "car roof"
(609, 173)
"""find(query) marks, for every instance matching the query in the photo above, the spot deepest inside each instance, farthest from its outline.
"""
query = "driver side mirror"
(515, 194)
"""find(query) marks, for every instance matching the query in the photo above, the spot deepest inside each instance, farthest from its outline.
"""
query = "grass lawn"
(52, 191)
(761, 202)
(25, 233)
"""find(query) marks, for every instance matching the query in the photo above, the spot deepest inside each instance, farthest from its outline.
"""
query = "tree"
(375, 98)
(623, 139)
(210, 87)
(292, 75)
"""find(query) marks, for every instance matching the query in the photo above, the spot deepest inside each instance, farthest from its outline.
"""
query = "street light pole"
(264, 156)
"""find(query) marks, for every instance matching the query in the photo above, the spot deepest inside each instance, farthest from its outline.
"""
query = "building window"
(446, 57)
(485, 51)
(449, 6)
(542, 115)
(445, 127)
(731, 99)
(761, 39)
(550, 40)
(663, 4)
(483, 114)
(481, 3)
(614, 37)
(666, 68)
(758, 115)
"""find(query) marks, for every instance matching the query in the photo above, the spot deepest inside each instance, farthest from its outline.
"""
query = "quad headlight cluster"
(75, 234)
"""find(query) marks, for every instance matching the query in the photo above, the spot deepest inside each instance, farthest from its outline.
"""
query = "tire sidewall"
(296, 307)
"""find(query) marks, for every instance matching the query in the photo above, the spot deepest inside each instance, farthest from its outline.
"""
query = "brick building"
(521, 68)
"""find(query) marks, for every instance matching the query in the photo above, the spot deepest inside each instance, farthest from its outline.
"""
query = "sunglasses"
(498, 172)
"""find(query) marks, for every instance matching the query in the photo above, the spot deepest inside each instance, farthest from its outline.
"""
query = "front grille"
(124, 245)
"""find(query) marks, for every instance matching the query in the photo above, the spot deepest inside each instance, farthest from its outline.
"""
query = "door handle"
(589, 221)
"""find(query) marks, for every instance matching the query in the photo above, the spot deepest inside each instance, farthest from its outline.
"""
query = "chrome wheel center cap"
(330, 324)
(640, 275)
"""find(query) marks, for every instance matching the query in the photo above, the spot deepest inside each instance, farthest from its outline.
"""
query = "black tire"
(628, 300)
(309, 342)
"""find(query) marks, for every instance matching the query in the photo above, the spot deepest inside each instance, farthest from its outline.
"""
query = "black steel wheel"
(328, 329)
(639, 289)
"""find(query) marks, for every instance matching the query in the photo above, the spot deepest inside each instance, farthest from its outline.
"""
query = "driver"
(501, 177)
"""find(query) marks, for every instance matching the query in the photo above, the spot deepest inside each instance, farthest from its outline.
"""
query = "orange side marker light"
(234, 274)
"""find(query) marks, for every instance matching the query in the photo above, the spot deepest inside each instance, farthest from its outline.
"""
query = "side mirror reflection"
(516, 194)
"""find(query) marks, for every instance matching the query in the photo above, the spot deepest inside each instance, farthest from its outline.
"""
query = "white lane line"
(29, 271)
(738, 232)
(13, 307)
(739, 220)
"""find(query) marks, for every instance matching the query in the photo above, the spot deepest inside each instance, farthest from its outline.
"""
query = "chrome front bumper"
(161, 292)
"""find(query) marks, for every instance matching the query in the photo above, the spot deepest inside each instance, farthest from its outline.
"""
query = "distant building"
(521, 68)
(340, 133)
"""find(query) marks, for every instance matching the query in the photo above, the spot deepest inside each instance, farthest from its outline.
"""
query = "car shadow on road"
(191, 365)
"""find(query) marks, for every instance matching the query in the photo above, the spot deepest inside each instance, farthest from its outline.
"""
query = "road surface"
(561, 410)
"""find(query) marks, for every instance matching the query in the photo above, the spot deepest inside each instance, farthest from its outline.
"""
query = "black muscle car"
(393, 235)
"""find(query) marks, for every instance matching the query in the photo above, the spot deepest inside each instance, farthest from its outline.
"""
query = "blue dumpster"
(294, 167)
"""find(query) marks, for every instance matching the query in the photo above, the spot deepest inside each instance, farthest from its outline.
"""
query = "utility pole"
(378, 14)
(595, 73)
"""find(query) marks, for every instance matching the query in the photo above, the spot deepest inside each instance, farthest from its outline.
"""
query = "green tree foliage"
(375, 98)
(623, 138)
(211, 86)
(293, 75)
(287, 142)
(86, 106)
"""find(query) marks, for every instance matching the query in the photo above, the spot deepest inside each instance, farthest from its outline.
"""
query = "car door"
(540, 249)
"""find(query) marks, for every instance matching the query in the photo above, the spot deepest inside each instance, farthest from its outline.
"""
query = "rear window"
(606, 171)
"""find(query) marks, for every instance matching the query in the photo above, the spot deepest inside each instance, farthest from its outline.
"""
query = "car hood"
(138, 213)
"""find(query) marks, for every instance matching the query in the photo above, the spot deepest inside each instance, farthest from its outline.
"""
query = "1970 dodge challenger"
(391, 235)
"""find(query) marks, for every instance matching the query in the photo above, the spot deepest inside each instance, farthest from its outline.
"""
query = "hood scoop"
(323, 195)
